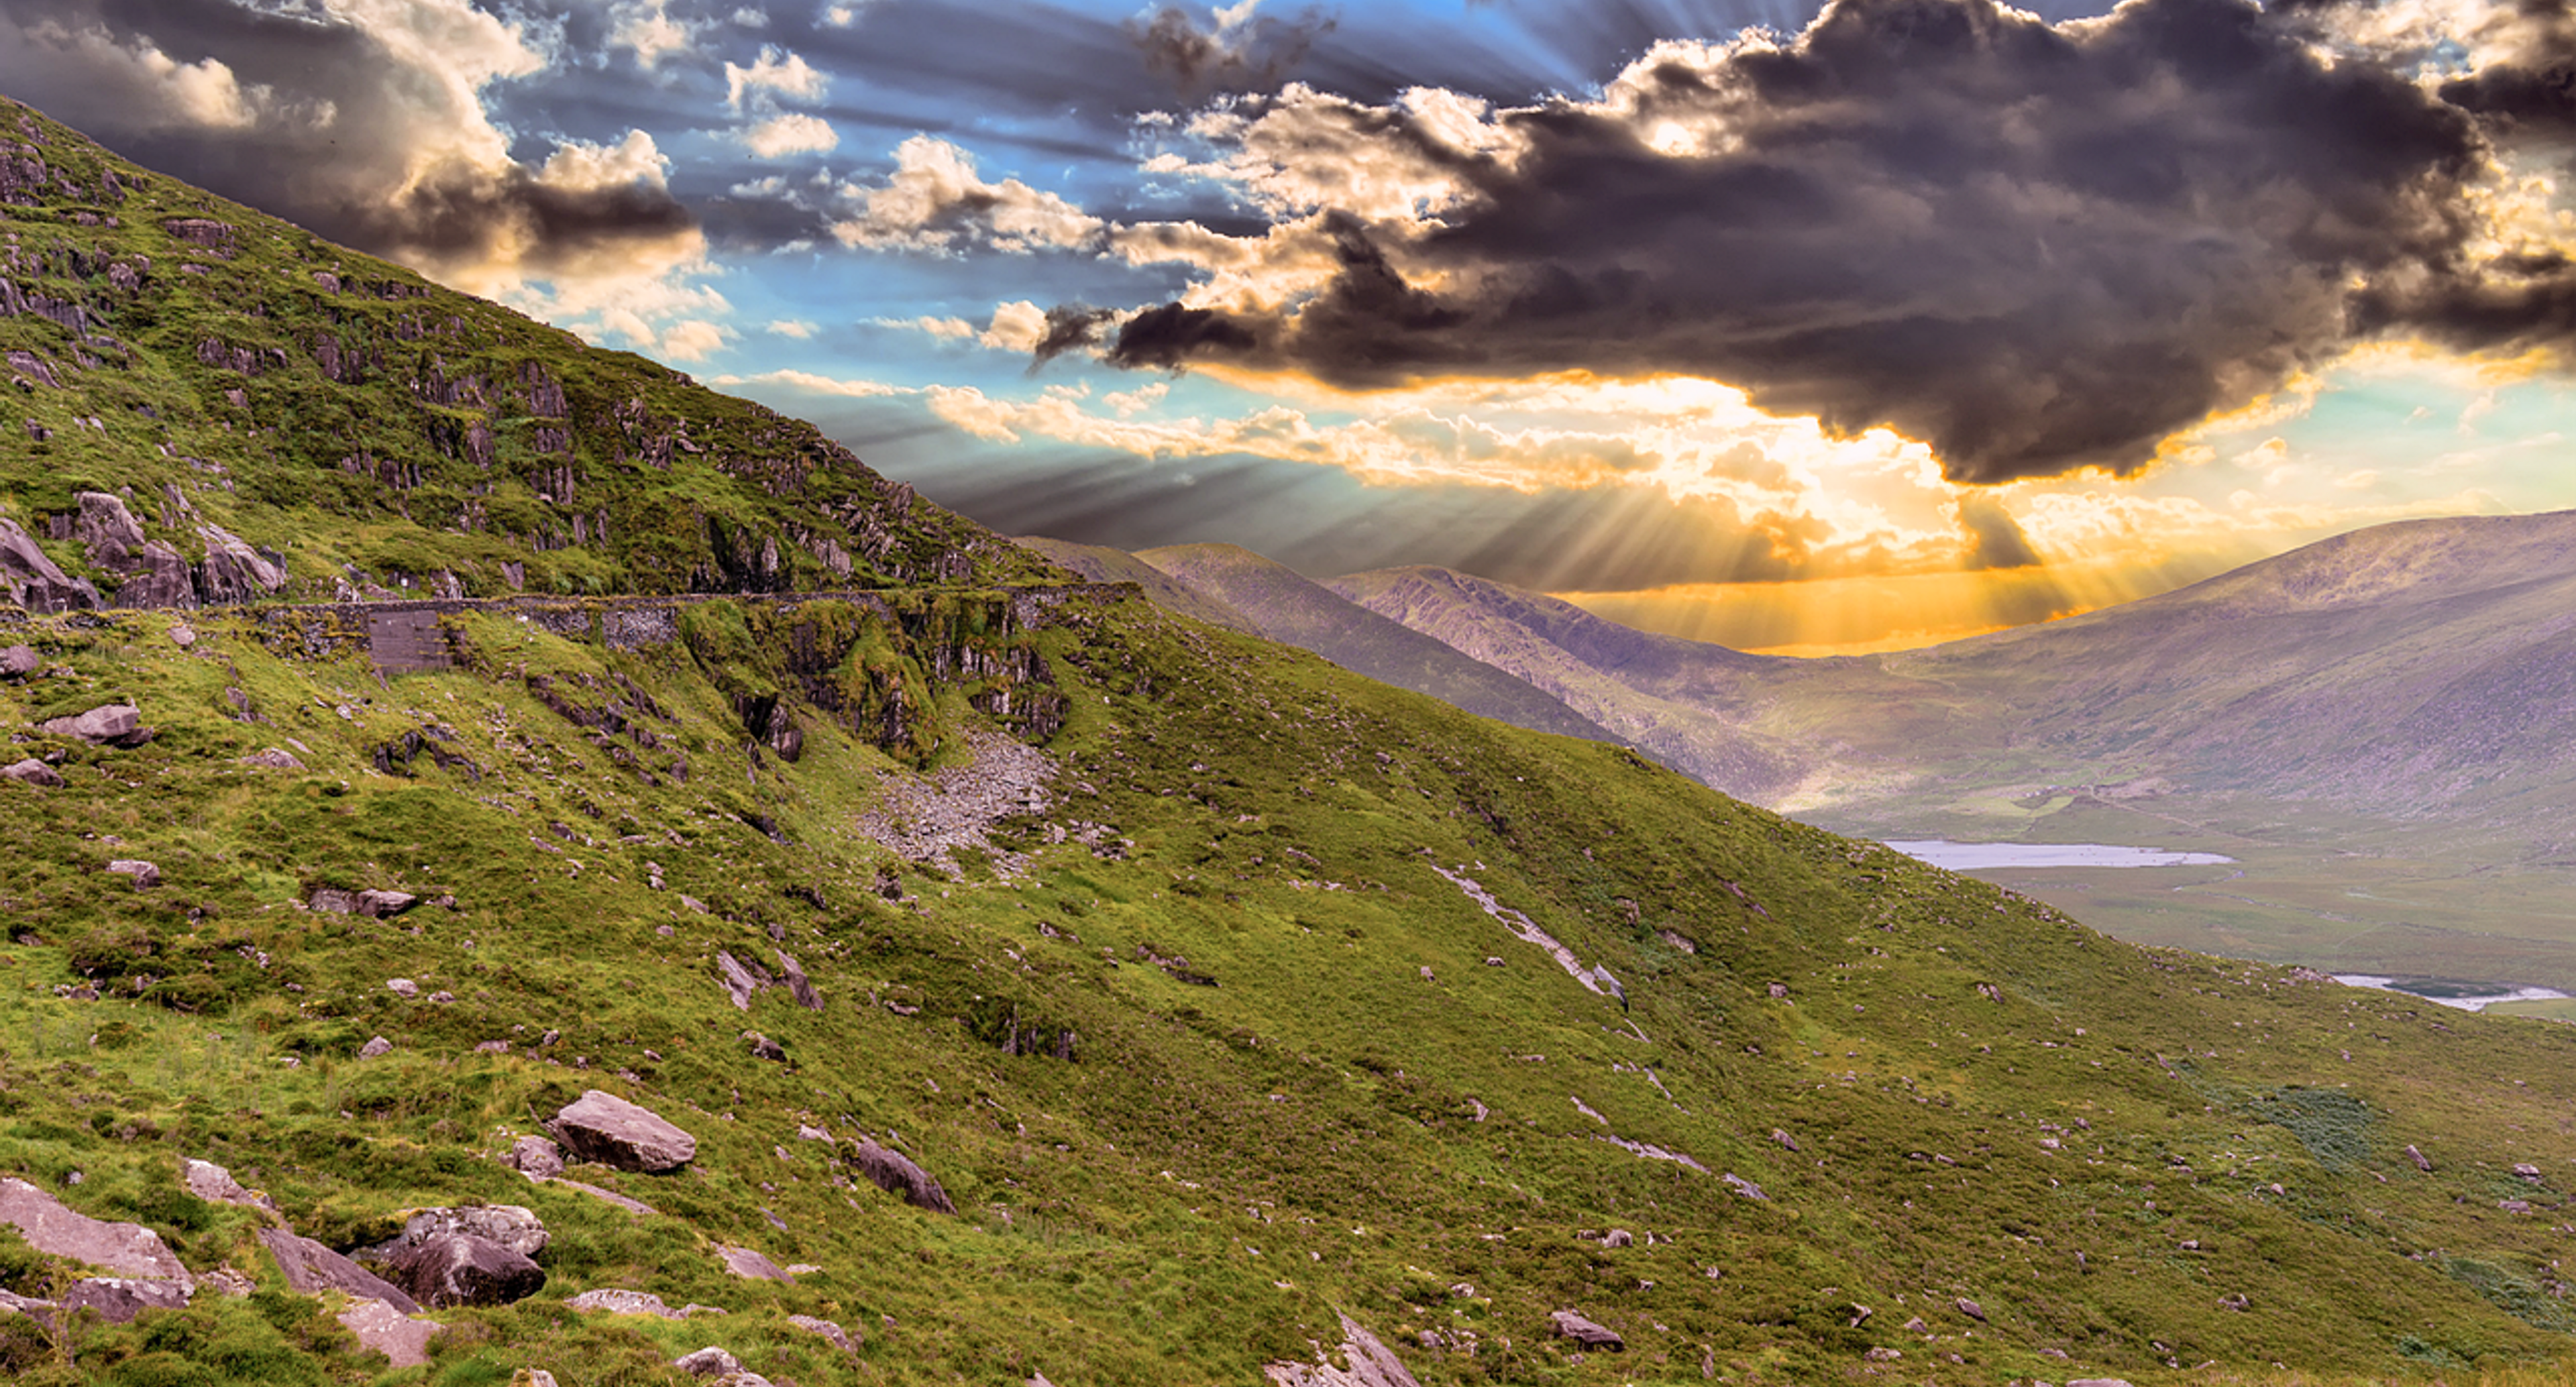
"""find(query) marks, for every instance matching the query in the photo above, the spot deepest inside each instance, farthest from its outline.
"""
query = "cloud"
(1238, 51)
(647, 28)
(819, 384)
(2036, 248)
(694, 340)
(776, 73)
(936, 201)
(203, 94)
(1995, 540)
(792, 133)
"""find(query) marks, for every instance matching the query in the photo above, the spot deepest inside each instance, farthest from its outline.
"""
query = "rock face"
(119, 1299)
(896, 1174)
(1595, 1336)
(403, 1341)
(109, 724)
(798, 986)
(311, 1269)
(605, 1128)
(460, 1269)
(1370, 1364)
(127, 1251)
(509, 1225)
(233, 572)
(36, 582)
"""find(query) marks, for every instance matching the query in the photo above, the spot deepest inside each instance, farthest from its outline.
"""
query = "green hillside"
(1052, 988)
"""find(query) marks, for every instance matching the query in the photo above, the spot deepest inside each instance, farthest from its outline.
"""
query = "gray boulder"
(798, 986)
(895, 1173)
(513, 1227)
(119, 1299)
(740, 979)
(830, 1333)
(30, 771)
(216, 1185)
(109, 724)
(461, 1269)
(233, 572)
(707, 1362)
(19, 661)
(310, 1269)
(378, 1325)
(377, 904)
(1371, 1364)
(272, 759)
(764, 1048)
(616, 1300)
(534, 1157)
(750, 1265)
(1587, 1333)
(146, 875)
(375, 1047)
(605, 1128)
(124, 1250)
(107, 529)
(156, 576)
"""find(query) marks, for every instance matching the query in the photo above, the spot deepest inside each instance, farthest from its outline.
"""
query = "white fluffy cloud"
(775, 72)
(936, 201)
(790, 133)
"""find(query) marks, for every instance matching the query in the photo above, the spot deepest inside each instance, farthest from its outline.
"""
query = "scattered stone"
(227, 1282)
(2528, 1174)
(616, 1300)
(2099, 1382)
(2237, 1303)
(605, 1128)
(1779, 990)
(764, 1048)
(707, 1362)
(1883, 1354)
(632, 1206)
(2421, 1162)
(119, 1299)
(740, 979)
(375, 1047)
(216, 1185)
(896, 1174)
(492, 1047)
(1742, 1186)
(750, 1265)
(532, 1377)
(797, 984)
(129, 1251)
(513, 1227)
(19, 661)
(146, 875)
(377, 904)
(182, 634)
(446, 1269)
(311, 1269)
(31, 771)
(1618, 1237)
(1971, 1309)
(403, 1341)
(331, 900)
(272, 759)
(1570, 1325)
(1784, 1138)
(109, 724)
(535, 1157)
(404, 988)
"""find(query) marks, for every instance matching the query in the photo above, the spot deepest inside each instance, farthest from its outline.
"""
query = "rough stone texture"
(31, 771)
(1971, 1309)
(19, 661)
(632, 1206)
(311, 1268)
(532, 1377)
(403, 1341)
(36, 582)
(404, 988)
(740, 979)
(534, 1156)
(750, 1265)
(119, 1299)
(272, 759)
(109, 724)
(707, 1362)
(1596, 1336)
(510, 1225)
(616, 1300)
(156, 576)
(129, 1250)
(377, 904)
(896, 1174)
(605, 1128)
(216, 1185)
(1369, 1364)
(146, 874)
(460, 1269)
(833, 1334)
(2422, 1162)
(798, 985)
(764, 1048)
(377, 1046)
(233, 571)
(224, 1281)
(331, 900)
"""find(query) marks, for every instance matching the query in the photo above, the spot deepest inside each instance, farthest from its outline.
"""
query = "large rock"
(403, 1341)
(19, 661)
(461, 1269)
(145, 875)
(109, 724)
(216, 1185)
(605, 1128)
(118, 1299)
(311, 1268)
(617, 1300)
(36, 582)
(106, 529)
(233, 572)
(750, 1265)
(896, 1174)
(510, 1225)
(125, 1250)
(30, 771)
(798, 985)
(1585, 1332)
(847, 1341)
(708, 1362)
(534, 1157)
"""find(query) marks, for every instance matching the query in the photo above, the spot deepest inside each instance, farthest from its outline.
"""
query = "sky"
(1797, 328)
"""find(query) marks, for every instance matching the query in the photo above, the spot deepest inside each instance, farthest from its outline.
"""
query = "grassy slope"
(375, 463)
(1220, 1169)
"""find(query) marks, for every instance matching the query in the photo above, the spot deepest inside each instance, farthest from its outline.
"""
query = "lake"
(2450, 992)
(1976, 857)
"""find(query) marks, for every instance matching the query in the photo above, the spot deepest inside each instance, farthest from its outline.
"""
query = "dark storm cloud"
(343, 135)
(2034, 248)
(1252, 54)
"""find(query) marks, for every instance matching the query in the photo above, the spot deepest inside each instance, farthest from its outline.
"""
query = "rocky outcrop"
(605, 1128)
(509, 1225)
(233, 572)
(145, 875)
(798, 986)
(216, 1185)
(1367, 1363)
(119, 1299)
(617, 1300)
(30, 771)
(750, 1265)
(534, 1157)
(740, 979)
(126, 1251)
(895, 1173)
(36, 582)
(1570, 1325)
(847, 1341)
(403, 1341)
(150, 572)
(446, 1269)
(19, 661)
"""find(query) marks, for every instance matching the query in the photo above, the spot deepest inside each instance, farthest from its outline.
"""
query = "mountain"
(2377, 726)
(1102, 564)
(1288, 607)
(985, 976)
